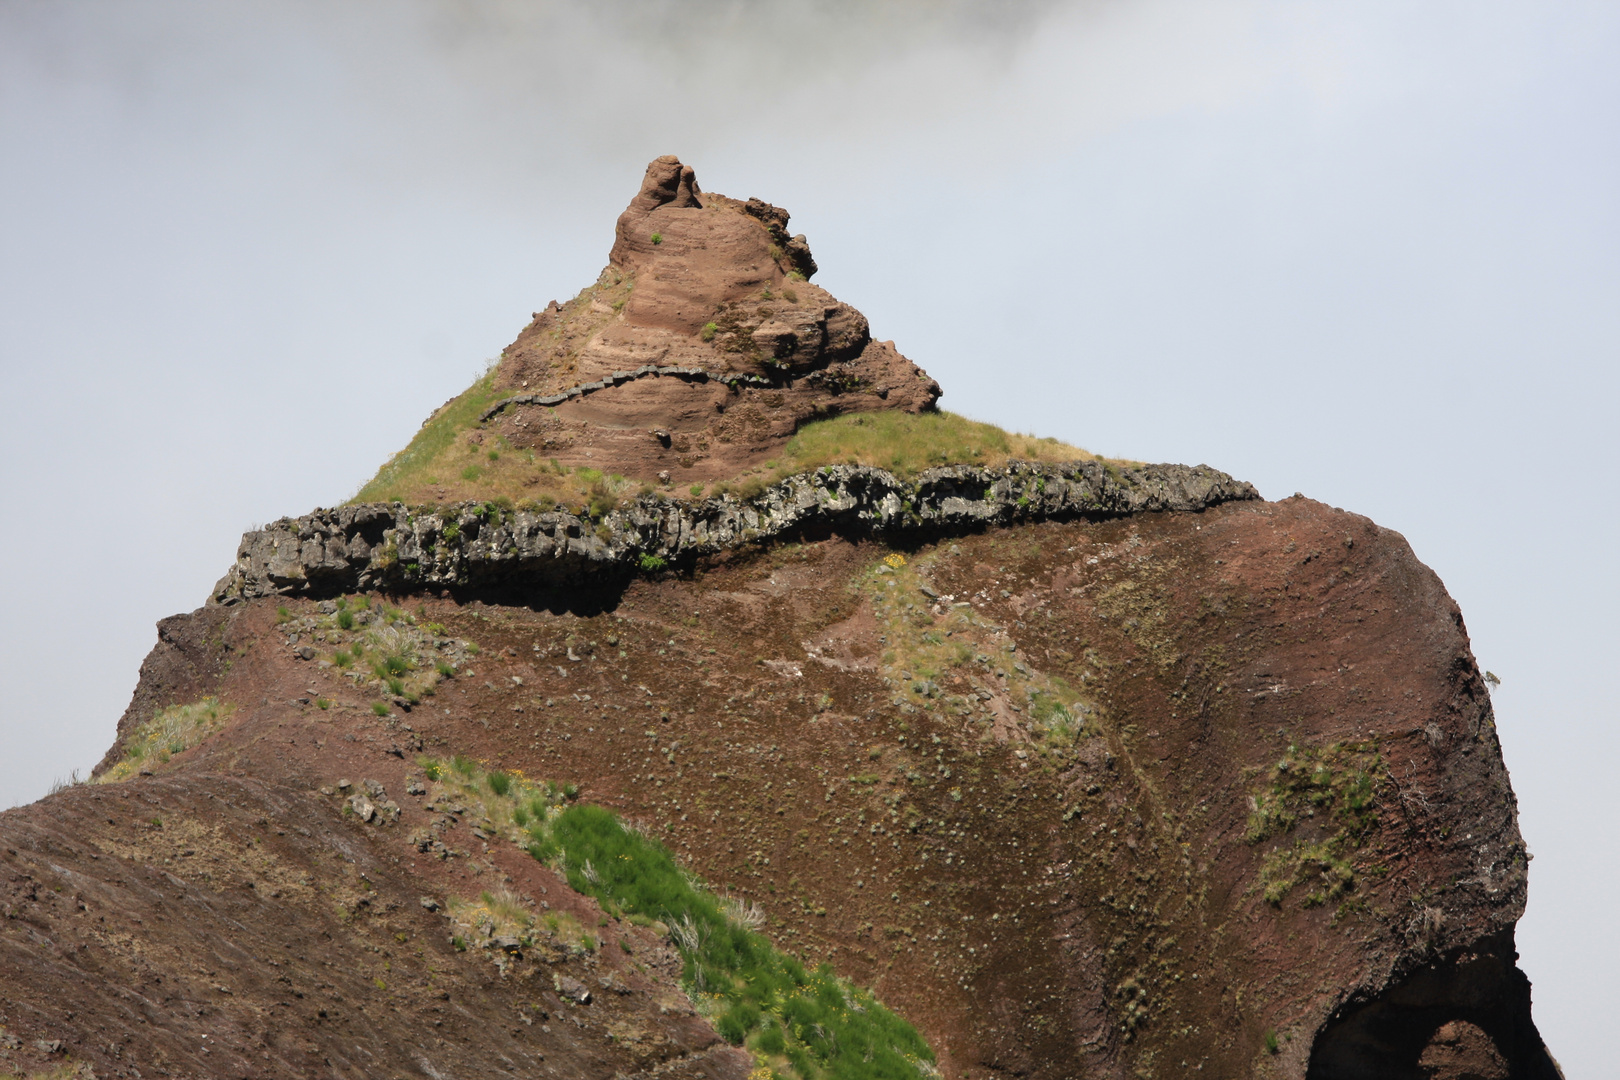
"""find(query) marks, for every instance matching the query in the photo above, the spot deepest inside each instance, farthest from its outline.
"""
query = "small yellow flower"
(895, 560)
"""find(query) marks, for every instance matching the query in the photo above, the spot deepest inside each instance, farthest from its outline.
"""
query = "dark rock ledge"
(400, 549)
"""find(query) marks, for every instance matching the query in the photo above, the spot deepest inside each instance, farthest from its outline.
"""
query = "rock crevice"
(619, 378)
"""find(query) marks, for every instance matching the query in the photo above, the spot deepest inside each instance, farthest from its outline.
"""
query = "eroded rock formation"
(702, 347)
(1087, 770)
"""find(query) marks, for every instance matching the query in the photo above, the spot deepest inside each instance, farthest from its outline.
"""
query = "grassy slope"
(441, 466)
(430, 449)
(903, 443)
(800, 1024)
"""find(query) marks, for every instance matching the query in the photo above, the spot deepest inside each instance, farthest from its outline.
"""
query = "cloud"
(520, 101)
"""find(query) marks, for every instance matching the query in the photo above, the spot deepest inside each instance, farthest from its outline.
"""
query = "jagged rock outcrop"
(714, 291)
(394, 547)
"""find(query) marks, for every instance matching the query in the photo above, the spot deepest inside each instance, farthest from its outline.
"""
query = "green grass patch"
(923, 641)
(169, 732)
(1334, 782)
(1331, 795)
(908, 444)
(904, 444)
(802, 1023)
(406, 473)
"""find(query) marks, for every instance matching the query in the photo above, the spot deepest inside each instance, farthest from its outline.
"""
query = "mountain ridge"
(903, 769)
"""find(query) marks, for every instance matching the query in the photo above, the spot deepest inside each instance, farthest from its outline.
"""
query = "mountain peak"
(700, 349)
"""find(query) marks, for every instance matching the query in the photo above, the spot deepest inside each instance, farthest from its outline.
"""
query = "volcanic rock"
(1085, 769)
(700, 349)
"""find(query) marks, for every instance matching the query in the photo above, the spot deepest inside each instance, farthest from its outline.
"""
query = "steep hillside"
(973, 769)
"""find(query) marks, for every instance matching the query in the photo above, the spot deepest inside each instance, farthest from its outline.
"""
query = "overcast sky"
(1367, 251)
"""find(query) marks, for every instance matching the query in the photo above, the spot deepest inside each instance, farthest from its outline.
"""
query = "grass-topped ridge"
(411, 469)
(905, 444)
(452, 459)
(799, 1023)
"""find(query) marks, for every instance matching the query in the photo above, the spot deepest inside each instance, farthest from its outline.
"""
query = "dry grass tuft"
(171, 731)
(902, 443)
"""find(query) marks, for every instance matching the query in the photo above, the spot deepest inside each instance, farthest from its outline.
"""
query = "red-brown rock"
(719, 290)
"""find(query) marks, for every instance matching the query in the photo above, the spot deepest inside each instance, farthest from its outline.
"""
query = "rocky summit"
(703, 346)
(694, 698)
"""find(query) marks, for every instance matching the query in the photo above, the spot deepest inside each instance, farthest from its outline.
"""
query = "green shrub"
(345, 620)
(380, 708)
(444, 668)
(471, 472)
(770, 1041)
(500, 783)
(1335, 785)
(657, 238)
(651, 564)
(709, 330)
(733, 1025)
(1336, 780)
(342, 658)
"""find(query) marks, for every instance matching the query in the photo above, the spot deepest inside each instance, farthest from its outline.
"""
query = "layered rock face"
(1077, 797)
(701, 348)
(479, 546)
(1087, 770)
